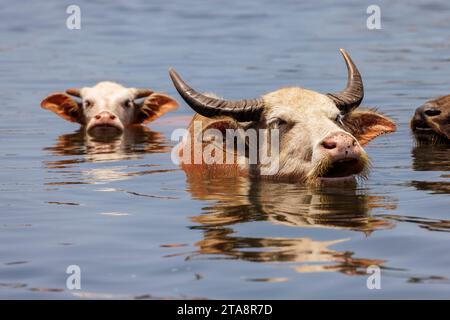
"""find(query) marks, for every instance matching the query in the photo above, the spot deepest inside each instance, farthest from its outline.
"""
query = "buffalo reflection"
(131, 144)
(427, 157)
(79, 147)
(240, 200)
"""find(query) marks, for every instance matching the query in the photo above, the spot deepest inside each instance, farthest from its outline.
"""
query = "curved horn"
(351, 97)
(241, 110)
(142, 93)
(74, 92)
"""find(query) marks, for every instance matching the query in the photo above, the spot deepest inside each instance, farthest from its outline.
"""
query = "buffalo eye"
(339, 119)
(277, 123)
(87, 104)
(128, 103)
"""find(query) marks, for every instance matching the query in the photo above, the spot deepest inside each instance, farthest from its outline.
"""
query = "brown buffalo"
(431, 121)
(320, 136)
(109, 107)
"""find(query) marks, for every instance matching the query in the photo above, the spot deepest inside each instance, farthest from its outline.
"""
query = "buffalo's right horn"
(74, 92)
(241, 110)
(351, 97)
(142, 93)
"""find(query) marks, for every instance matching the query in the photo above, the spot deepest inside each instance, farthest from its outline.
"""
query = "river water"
(139, 228)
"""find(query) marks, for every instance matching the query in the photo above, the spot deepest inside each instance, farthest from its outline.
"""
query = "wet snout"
(422, 117)
(341, 146)
(431, 121)
(105, 117)
(105, 120)
(341, 156)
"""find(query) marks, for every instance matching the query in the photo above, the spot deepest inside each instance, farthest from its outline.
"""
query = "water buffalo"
(320, 136)
(431, 121)
(109, 107)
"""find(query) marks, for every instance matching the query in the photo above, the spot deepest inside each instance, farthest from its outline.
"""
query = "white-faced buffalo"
(109, 107)
(320, 136)
(431, 121)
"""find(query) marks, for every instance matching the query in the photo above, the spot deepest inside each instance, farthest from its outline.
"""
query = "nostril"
(112, 117)
(97, 117)
(432, 112)
(329, 144)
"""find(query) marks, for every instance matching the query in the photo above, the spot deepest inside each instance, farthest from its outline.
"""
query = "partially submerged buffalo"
(431, 121)
(109, 107)
(320, 136)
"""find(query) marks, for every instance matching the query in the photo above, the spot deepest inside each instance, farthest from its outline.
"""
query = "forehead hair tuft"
(297, 97)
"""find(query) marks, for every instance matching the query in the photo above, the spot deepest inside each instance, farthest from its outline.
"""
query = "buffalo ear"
(64, 106)
(153, 107)
(367, 125)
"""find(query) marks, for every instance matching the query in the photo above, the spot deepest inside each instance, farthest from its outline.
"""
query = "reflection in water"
(239, 200)
(426, 223)
(427, 157)
(431, 157)
(96, 295)
(129, 145)
(80, 147)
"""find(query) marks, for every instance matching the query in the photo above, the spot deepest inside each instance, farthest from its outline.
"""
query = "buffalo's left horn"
(351, 97)
(241, 110)
(142, 93)
(74, 92)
